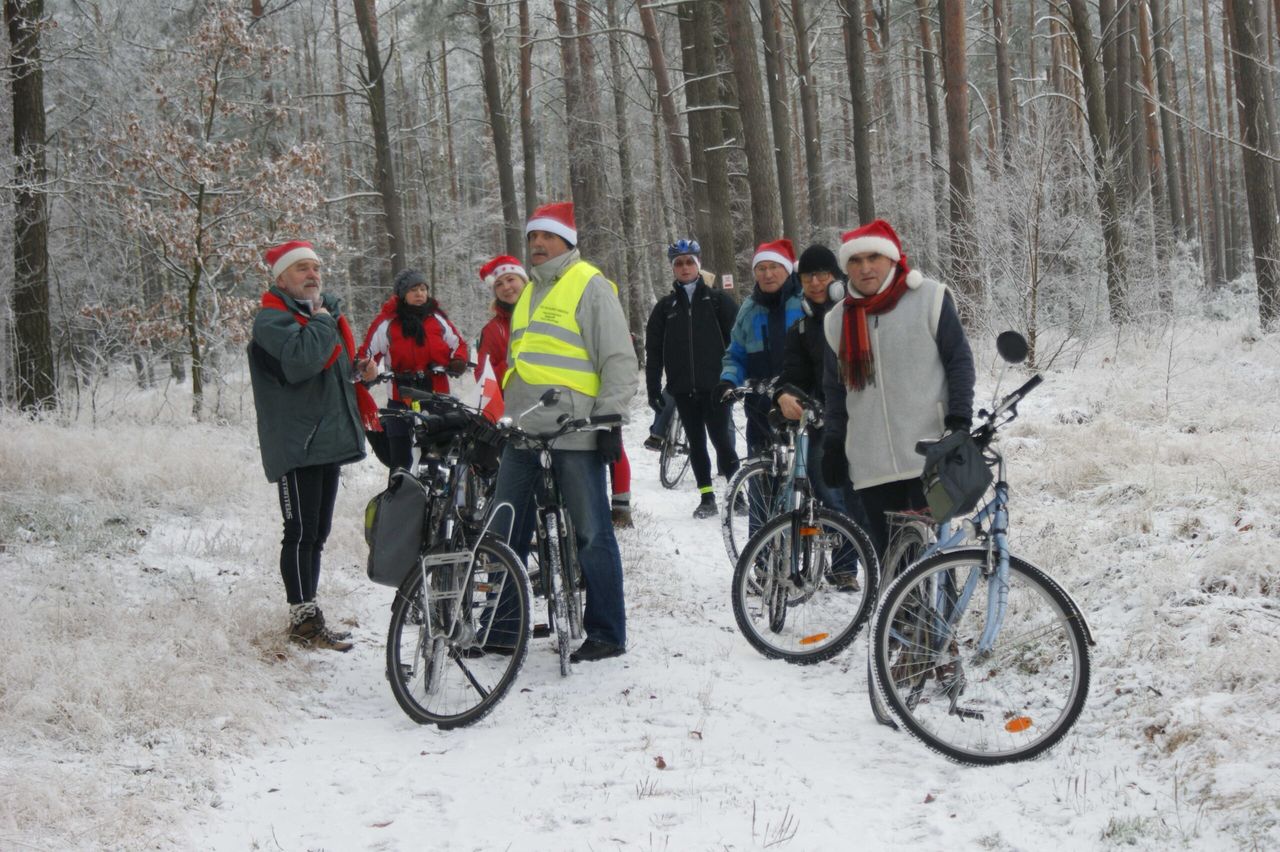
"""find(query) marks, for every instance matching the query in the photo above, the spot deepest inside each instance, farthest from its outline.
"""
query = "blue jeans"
(662, 419)
(581, 476)
(843, 499)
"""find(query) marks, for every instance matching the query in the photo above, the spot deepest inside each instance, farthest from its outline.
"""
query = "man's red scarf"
(364, 400)
(857, 364)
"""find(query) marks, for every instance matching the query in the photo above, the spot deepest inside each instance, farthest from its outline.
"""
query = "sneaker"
(622, 519)
(653, 442)
(311, 633)
(593, 649)
(707, 508)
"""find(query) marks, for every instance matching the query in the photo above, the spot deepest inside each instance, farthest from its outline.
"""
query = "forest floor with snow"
(148, 698)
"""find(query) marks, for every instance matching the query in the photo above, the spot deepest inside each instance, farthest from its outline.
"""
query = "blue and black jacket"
(757, 342)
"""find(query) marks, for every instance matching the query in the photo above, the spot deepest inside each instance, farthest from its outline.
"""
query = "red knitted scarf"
(364, 400)
(857, 363)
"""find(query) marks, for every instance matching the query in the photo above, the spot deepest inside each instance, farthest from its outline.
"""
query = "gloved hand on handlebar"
(456, 367)
(722, 391)
(956, 423)
(609, 445)
(835, 467)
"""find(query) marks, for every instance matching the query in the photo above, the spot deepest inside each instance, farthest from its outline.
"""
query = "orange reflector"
(817, 637)
(808, 531)
(1017, 724)
(484, 587)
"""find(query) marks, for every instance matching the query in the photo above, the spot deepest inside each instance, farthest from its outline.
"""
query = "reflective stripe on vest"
(547, 348)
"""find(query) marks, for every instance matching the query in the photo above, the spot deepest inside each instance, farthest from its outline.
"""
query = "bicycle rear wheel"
(455, 646)
(1011, 703)
(793, 597)
(673, 462)
(909, 537)
(747, 505)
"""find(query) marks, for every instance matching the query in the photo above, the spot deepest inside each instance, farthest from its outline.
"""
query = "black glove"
(956, 423)
(456, 367)
(835, 467)
(609, 445)
(657, 402)
(723, 390)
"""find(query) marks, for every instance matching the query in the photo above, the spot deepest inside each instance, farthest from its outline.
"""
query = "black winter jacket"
(802, 357)
(687, 340)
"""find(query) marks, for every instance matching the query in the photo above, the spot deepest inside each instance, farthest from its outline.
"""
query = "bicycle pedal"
(541, 631)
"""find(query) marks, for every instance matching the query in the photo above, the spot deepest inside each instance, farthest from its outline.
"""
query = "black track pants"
(307, 495)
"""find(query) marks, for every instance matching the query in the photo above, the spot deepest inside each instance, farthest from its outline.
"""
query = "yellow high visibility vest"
(547, 348)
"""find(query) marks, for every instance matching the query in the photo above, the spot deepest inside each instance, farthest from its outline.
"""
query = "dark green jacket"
(307, 414)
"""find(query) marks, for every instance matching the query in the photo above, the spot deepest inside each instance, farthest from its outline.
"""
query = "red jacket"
(441, 344)
(494, 339)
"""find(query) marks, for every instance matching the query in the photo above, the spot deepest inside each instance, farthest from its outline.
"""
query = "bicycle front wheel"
(674, 459)
(747, 505)
(981, 707)
(804, 585)
(456, 643)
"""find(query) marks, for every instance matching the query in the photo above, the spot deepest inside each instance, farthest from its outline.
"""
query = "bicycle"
(559, 570)
(673, 458)
(755, 492)
(796, 590)
(979, 654)
(447, 661)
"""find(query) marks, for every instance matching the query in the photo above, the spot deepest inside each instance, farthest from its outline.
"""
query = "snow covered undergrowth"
(147, 697)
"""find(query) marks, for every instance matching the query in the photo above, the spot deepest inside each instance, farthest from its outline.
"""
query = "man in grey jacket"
(568, 332)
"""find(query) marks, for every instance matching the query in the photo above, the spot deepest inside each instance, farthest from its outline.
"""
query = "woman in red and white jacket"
(413, 335)
(508, 279)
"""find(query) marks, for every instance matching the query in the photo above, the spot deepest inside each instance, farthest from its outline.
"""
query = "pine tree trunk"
(699, 121)
(596, 221)
(936, 154)
(964, 261)
(1108, 205)
(765, 224)
(683, 184)
(528, 142)
(35, 388)
(375, 87)
(1255, 134)
(819, 215)
(862, 153)
(512, 226)
(1173, 155)
(1235, 232)
(1004, 81)
(779, 115)
(720, 251)
(634, 299)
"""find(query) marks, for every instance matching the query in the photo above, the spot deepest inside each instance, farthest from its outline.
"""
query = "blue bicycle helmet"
(682, 246)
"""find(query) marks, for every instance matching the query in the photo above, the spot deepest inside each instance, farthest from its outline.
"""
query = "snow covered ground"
(147, 698)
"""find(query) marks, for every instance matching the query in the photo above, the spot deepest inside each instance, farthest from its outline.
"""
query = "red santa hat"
(780, 252)
(554, 218)
(500, 266)
(281, 257)
(878, 236)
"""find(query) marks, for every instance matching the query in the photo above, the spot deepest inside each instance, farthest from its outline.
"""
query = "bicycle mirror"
(1012, 347)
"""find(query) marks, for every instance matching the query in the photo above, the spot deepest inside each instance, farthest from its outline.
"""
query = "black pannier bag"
(393, 529)
(955, 475)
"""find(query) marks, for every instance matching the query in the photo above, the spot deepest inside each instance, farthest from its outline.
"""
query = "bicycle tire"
(575, 588)
(786, 601)
(557, 595)
(1039, 668)
(742, 516)
(906, 545)
(673, 461)
(455, 674)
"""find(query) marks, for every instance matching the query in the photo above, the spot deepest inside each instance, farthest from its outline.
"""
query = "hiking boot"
(593, 649)
(707, 508)
(622, 519)
(653, 442)
(311, 633)
(845, 581)
(341, 635)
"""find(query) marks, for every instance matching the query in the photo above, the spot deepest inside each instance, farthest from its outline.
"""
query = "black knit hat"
(407, 280)
(817, 258)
